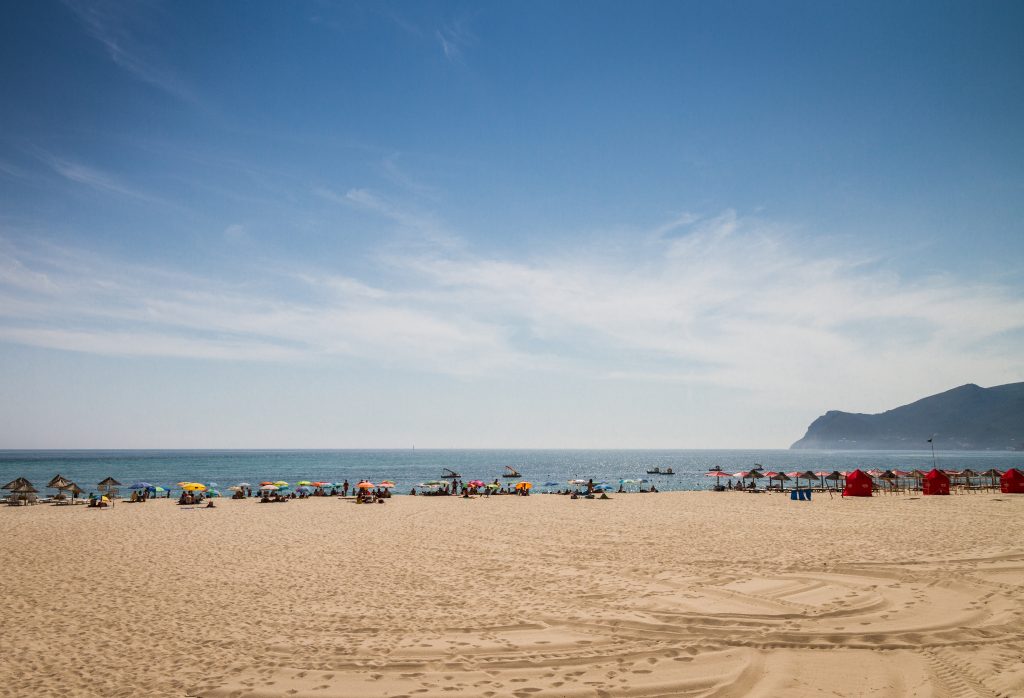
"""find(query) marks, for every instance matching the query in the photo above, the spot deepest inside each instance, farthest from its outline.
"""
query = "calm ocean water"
(409, 467)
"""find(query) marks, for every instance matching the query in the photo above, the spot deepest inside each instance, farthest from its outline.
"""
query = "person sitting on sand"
(653, 488)
(209, 505)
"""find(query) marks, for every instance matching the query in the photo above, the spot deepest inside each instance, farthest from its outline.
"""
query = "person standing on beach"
(344, 489)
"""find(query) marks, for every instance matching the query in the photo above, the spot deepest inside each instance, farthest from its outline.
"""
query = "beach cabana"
(858, 484)
(935, 482)
(1012, 482)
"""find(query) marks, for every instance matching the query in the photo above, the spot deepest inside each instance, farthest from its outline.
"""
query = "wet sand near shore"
(669, 594)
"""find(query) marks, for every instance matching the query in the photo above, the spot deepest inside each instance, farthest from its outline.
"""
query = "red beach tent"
(1012, 482)
(858, 484)
(936, 482)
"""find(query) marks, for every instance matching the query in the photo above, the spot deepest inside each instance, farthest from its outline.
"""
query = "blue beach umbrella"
(139, 486)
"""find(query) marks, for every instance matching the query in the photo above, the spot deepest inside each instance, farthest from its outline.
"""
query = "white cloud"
(731, 304)
(96, 179)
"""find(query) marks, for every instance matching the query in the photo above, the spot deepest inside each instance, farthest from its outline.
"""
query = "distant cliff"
(968, 418)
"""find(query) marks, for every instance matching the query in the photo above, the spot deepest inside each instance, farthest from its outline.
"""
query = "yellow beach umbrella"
(194, 487)
(281, 483)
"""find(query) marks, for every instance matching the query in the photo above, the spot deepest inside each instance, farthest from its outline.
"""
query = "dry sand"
(671, 594)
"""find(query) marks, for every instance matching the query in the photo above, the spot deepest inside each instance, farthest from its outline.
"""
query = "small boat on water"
(659, 471)
(511, 472)
(450, 474)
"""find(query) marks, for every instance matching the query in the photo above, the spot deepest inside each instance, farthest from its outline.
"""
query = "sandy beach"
(671, 594)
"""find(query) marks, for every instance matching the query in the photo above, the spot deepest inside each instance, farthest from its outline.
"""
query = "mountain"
(968, 418)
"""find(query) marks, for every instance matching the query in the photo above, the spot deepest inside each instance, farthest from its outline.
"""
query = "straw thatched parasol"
(110, 485)
(17, 482)
(59, 482)
(23, 490)
(994, 474)
(835, 476)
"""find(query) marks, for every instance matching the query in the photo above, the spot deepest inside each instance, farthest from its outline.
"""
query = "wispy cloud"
(453, 38)
(110, 23)
(732, 303)
(94, 178)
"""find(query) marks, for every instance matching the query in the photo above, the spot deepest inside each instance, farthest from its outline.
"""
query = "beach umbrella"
(244, 484)
(139, 485)
(524, 485)
(23, 490)
(994, 474)
(194, 487)
(772, 475)
(58, 482)
(798, 476)
(577, 482)
(835, 476)
(365, 485)
(266, 482)
(110, 482)
(16, 482)
(269, 488)
(718, 474)
(388, 484)
(281, 483)
(156, 488)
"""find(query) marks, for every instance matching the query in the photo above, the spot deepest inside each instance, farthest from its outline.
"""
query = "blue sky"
(322, 224)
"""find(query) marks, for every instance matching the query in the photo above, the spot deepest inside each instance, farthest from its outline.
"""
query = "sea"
(546, 469)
